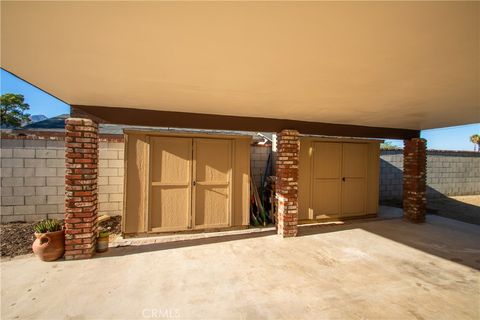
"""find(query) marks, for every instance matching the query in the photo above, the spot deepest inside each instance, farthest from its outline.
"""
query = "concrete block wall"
(391, 175)
(33, 176)
(110, 178)
(449, 173)
(33, 179)
(258, 161)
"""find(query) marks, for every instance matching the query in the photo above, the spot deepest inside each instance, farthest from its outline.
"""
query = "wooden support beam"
(141, 117)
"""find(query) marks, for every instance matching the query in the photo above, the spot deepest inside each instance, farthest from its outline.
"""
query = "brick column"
(288, 147)
(414, 179)
(81, 156)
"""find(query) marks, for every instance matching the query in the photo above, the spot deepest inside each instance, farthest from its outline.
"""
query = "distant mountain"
(39, 121)
(38, 117)
(57, 122)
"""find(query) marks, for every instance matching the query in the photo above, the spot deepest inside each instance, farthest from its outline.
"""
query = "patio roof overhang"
(397, 65)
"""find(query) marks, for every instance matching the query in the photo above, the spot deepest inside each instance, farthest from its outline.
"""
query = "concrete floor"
(366, 269)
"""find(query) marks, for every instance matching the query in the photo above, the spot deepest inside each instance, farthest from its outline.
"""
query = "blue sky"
(39, 101)
(452, 138)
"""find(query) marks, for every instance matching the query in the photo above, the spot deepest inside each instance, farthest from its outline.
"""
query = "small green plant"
(388, 145)
(48, 225)
(102, 232)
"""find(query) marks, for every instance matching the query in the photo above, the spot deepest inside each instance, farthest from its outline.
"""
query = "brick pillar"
(414, 179)
(288, 147)
(81, 156)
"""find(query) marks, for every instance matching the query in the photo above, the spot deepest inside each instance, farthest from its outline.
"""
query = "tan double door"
(190, 183)
(339, 179)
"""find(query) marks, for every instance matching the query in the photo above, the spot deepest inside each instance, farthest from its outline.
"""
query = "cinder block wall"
(391, 174)
(33, 179)
(449, 173)
(258, 161)
(110, 178)
(33, 176)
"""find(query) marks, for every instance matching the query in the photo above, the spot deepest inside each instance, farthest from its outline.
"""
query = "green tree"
(13, 110)
(475, 139)
(388, 145)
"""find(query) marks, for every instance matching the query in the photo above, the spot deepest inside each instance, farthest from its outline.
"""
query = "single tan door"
(170, 176)
(327, 179)
(212, 183)
(354, 179)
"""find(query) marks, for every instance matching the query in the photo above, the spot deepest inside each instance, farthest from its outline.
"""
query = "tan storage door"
(354, 176)
(327, 179)
(212, 183)
(170, 176)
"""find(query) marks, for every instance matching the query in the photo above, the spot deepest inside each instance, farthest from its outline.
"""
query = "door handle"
(194, 183)
(343, 178)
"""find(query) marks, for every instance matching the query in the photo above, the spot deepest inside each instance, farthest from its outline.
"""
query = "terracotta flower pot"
(49, 246)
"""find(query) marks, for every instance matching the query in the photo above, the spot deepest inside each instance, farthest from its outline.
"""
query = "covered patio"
(364, 70)
(377, 269)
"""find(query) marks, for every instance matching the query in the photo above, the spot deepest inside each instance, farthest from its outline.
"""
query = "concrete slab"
(368, 269)
(385, 212)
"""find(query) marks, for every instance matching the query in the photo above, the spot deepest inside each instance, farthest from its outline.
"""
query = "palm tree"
(475, 139)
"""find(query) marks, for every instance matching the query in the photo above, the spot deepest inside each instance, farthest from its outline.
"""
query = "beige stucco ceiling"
(391, 64)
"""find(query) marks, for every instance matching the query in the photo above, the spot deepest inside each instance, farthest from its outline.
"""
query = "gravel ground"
(16, 238)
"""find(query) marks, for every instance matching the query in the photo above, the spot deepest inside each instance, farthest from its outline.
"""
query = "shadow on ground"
(446, 238)
(437, 202)
(449, 239)
(134, 249)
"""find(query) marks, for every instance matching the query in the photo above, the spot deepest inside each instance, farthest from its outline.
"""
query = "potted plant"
(102, 240)
(49, 244)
